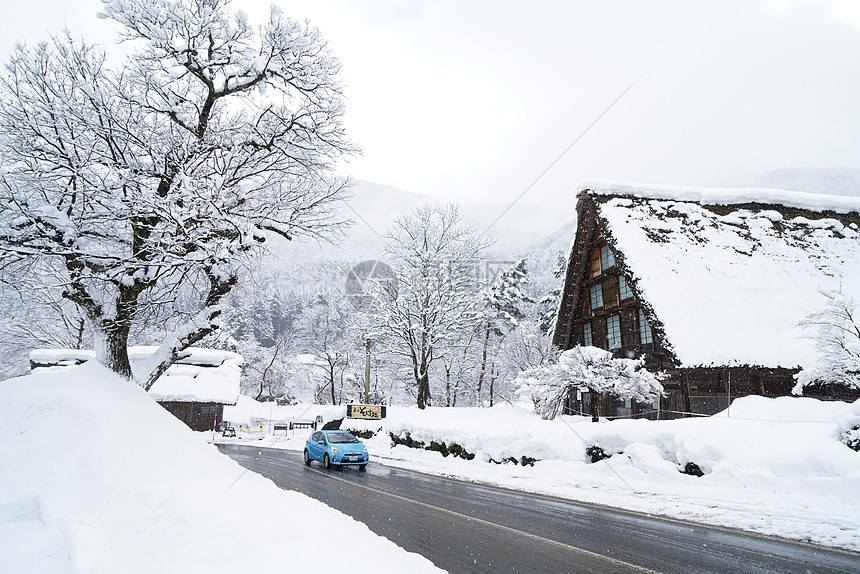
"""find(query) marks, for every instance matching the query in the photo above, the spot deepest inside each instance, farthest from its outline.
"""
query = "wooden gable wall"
(599, 303)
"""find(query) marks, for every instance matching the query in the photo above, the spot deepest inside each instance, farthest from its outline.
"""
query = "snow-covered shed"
(194, 389)
(708, 284)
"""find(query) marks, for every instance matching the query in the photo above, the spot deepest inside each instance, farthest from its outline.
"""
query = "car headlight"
(364, 449)
(333, 449)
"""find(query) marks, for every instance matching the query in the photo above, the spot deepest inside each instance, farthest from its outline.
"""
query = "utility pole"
(367, 371)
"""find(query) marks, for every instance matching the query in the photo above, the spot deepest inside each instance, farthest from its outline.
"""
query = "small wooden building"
(708, 285)
(194, 389)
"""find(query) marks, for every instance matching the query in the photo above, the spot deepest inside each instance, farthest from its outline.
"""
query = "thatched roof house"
(710, 284)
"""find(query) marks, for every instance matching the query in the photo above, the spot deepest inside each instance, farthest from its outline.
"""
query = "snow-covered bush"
(837, 338)
(592, 368)
(849, 427)
(596, 454)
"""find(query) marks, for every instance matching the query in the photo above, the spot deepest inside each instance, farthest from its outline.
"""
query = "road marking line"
(508, 529)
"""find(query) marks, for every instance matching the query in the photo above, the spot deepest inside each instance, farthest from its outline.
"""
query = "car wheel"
(326, 461)
(362, 467)
(307, 458)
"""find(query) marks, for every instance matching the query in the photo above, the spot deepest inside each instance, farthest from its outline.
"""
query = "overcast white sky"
(472, 100)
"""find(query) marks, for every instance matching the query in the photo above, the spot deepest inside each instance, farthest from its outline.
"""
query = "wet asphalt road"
(464, 527)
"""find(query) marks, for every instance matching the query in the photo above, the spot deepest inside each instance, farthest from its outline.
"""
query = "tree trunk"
(113, 350)
(447, 386)
(595, 417)
(331, 379)
(420, 366)
(423, 390)
(79, 336)
(422, 377)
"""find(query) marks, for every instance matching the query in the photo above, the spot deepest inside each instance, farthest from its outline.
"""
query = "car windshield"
(341, 437)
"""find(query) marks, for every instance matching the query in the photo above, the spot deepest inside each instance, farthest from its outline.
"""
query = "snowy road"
(465, 527)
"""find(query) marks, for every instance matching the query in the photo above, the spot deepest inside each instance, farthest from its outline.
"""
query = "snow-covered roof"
(731, 285)
(205, 376)
(60, 357)
(726, 196)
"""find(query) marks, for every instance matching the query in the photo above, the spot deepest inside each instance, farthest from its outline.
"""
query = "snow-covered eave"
(723, 196)
(196, 399)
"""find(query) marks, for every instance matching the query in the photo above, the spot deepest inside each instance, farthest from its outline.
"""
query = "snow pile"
(731, 289)
(248, 411)
(96, 477)
(201, 375)
(775, 466)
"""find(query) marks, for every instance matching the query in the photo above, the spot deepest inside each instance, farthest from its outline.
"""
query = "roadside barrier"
(248, 431)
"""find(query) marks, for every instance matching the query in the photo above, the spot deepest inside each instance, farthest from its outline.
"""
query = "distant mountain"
(374, 208)
(829, 181)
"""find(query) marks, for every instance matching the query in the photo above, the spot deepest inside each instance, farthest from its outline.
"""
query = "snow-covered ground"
(95, 477)
(773, 466)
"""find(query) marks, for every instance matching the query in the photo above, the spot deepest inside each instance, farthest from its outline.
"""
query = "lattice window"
(586, 335)
(613, 332)
(624, 289)
(644, 329)
(596, 296)
(607, 258)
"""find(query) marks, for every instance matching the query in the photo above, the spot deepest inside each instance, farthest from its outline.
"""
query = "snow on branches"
(436, 298)
(837, 338)
(160, 173)
(591, 368)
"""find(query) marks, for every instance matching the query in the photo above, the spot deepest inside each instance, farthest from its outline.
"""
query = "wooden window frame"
(646, 337)
(625, 292)
(613, 332)
(594, 292)
(607, 257)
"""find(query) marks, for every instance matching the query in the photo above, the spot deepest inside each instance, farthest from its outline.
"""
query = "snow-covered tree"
(434, 255)
(159, 173)
(837, 338)
(34, 314)
(548, 304)
(458, 366)
(324, 332)
(527, 347)
(592, 368)
(503, 302)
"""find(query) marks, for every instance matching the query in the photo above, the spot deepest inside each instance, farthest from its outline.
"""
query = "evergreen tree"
(503, 301)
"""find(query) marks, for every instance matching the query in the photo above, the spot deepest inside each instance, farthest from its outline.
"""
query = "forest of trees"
(303, 340)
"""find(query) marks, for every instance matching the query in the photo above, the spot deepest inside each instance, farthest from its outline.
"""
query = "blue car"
(336, 447)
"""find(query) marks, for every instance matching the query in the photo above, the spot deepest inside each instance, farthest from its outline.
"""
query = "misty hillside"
(374, 207)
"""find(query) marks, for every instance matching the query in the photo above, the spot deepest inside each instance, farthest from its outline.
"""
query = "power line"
(561, 155)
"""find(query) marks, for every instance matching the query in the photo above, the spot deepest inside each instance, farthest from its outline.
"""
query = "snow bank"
(96, 477)
(249, 411)
(775, 466)
(201, 375)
